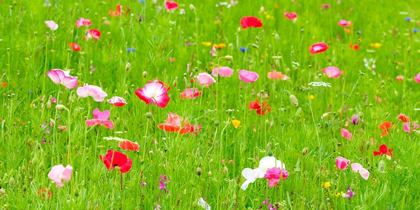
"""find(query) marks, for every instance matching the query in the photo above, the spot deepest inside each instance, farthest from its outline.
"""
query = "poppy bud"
(294, 100)
(217, 123)
(228, 57)
(255, 46)
(60, 107)
(192, 7)
(381, 166)
(199, 171)
(87, 10)
(149, 115)
(209, 173)
(174, 83)
(144, 74)
(225, 170)
(127, 66)
(277, 37)
(12, 181)
(270, 153)
(305, 151)
(49, 104)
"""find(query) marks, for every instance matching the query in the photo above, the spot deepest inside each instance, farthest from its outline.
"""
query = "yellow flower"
(312, 97)
(327, 185)
(236, 123)
(376, 45)
(206, 43)
(339, 194)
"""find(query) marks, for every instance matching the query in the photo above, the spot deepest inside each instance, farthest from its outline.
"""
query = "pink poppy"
(75, 47)
(332, 72)
(154, 92)
(93, 33)
(93, 91)
(399, 78)
(325, 6)
(61, 77)
(117, 101)
(190, 93)
(171, 5)
(318, 48)
(59, 174)
(251, 21)
(273, 175)
(342, 163)
(409, 125)
(248, 76)
(205, 79)
(290, 15)
(223, 71)
(417, 78)
(51, 24)
(346, 134)
(195, 128)
(356, 167)
(176, 123)
(83, 22)
(100, 118)
(277, 75)
(344, 23)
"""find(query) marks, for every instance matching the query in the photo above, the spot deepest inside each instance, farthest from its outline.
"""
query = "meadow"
(152, 104)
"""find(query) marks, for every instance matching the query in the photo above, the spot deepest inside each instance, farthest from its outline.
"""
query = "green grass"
(28, 49)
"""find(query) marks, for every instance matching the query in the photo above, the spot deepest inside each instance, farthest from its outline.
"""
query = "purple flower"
(355, 119)
(349, 193)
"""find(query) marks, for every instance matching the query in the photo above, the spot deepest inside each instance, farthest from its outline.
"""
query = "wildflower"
(190, 93)
(61, 77)
(318, 48)
(202, 202)
(83, 22)
(162, 182)
(408, 125)
(274, 174)
(327, 185)
(75, 47)
(407, 19)
(404, 118)
(154, 92)
(344, 23)
(342, 163)
(356, 167)
(319, 84)
(93, 33)
(206, 43)
(243, 49)
(61, 127)
(346, 134)
(115, 158)
(219, 46)
(213, 52)
(385, 126)
(269, 162)
(417, 78)
(171, 5)
(117, 101)
(290, 15)
(222, 71)
(195, 128)
(261, 110)
(355, 119)
(250, 176)
(205, 79)
(248, 76)
(251, 21)
(383, 150)
(3, 84)
(236, 123)
(354, 46)
(100, 118)
(376, 45)
(332, 72)
(399, 78)
(176, 123)
(277, 75)
(93, 91)
(44, 193)
(59, 174)
(415, 30)
(51, 24)
(129, 145)
(349, 193)
(117, 12)
(325, 6)
(131, 50)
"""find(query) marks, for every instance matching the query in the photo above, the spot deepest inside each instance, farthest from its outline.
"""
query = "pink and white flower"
(342, 163)
(51, 24)
(83, 22)
(356, 167)
(93, 33)
(59, 174)
(154, 92)
(100, 118)
(205, 79)
(117, 101)
(190, 93)
(318, 48)
(274, 174)
(93, 91)
(332, 72)
(61, 77)
(409, 125)
(344, 23)
(248, 76)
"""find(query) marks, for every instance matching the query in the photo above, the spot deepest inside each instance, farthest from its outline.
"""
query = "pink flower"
(205, 79)
(356, 167)
(290, 15)
(100, 118)
(346, 134)
(75, 47)
(248, 76)
(213, 52)
(83, 22)
(273, 175)
(93, 33)
(190, 93)
(171, 5)
(318, 48)
(342, 163)
(332, 72)
(117, 101)
(344, 23)
(195, 128)
(417, 78)
(59, 174)
(51, 24)
(277, 75)
(61, 77)
(93, 91)
(250, 21)
(154, 92)
(407, 126)
(325, 6)
(223, 71)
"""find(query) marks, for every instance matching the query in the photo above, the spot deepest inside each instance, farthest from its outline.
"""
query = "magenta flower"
(318, 48)
(117, 101)
(162, 182)
(93, 91)
(346, 134)
(344, 23)
(100, 118)
(83, 22)
(59, 174)
(290, 15)
(205, 79)
(349, 193)
(248, 76)
(332, 72)
(273, 175)
(342, 163)
(223, 71)
(417, 78)
(51, 24)
(409, 125)
(154, 92)
(61, 77)
(171, 5)
(355, 119)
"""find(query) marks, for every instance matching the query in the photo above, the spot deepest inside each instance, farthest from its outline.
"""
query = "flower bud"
(228, 57)
(149, 115)
(127, 66)
(60, 107)
(199, 171)
(144, 74)
(270, 153)
(294, 100)
(305, 151)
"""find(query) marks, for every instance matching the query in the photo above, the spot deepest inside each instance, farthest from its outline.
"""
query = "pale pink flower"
(273, 175)
(51, 24)
(93, 91)
(154, 92)
(83, 22)
(344, 23)
(59, 174)
(342, 163)
(117, 101)
(408, 125)
(223, 71)
(346, 134)
(356, 167)
(205, 79)
(332, 72)
(100, 118)
(61, 77)
(248, 76)
(93, 33)
(417, 78)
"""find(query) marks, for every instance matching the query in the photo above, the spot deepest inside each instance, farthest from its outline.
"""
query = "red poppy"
(3, 84)
(129, 145)
(261, 110)
(318, 48)
(354, 46)
(175, 123)
(171, 5)
(75, 47)
(385, 126)
(117, 12)
(251, 21)
(115, 158)
(404, 118)
(383, 150)
(44, 192)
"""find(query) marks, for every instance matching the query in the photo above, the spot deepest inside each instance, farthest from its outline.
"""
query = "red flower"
(44, 192)
(261, 110)
(318, 48)
(354, 46)
(3, 84)
(171, 5)
(385, 126)
(117, 12)
(383, 150)
(75, 47)
(404, 118)
(251, 21)
(129, 145)
(175, 123)
(115, 158)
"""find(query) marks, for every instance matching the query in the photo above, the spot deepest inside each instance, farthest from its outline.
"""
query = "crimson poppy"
(117, 12)
(251, 21)
(261, 109)
(354, 46)
(115, 158)
(383, 150)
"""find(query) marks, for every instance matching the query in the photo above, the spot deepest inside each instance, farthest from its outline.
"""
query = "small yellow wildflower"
(236, 123)
(376, 45)
(312, 97)
(206, 43)
(327, 185)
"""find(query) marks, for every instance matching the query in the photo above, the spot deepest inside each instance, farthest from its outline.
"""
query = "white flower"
(201, 202)
(250, 175)
(269, 162)
(317, 84)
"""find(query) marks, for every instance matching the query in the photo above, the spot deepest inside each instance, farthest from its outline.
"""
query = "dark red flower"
(261, 109)
(383, 150)
(251, 21)
(115, 158)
